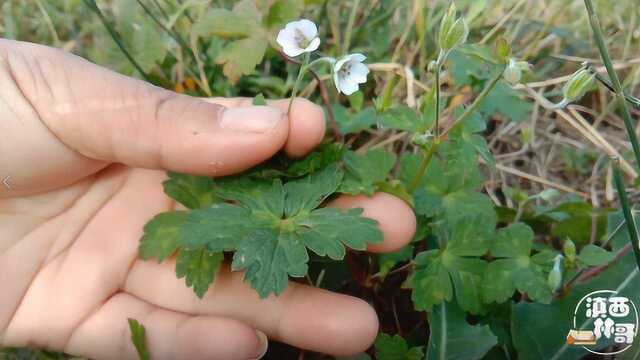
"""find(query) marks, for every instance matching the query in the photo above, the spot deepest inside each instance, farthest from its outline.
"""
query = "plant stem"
(91, 4)
(437, 90)
(349, 30)
(426, 159)
(626, 211)
(474, 106)
(606, 59)
(303, 68)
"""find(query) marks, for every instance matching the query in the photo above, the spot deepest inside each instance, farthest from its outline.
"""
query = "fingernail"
(255, 119)
(264, 344)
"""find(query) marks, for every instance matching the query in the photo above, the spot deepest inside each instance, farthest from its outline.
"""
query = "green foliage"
(396, 348)
(457, 266)
(138, 339)
(453, 338)
(192, 191)
(198, 268)
(592, 255)
(514, 268)
(363, 172)
(269, 225)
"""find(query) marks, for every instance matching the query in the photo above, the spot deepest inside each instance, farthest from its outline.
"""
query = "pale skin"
(86, 151)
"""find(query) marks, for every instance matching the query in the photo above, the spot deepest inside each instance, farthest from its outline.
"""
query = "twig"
(540, 180)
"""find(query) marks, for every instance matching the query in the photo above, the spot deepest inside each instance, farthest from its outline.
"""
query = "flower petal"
(340, 63)
(292, 51)
(307, 27)
(286, 38)
(313, 45)
(357, 57)
(359, 72)
(348, 87)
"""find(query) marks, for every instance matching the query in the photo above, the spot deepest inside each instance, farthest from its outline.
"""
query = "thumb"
(109, 117)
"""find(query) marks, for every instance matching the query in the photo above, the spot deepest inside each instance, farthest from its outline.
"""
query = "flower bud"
(513, 72)
(569, 250)
(453, 32)
(503, 50)
(554, 280)
(422, 140)
(578, 85)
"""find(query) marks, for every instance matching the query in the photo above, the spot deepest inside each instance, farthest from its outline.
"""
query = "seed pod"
(578, 85)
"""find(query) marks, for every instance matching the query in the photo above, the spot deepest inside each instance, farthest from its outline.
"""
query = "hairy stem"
(426, 159)
(474, 106)
(294, 92)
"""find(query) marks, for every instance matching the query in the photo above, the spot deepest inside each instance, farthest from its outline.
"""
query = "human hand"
(86, 150)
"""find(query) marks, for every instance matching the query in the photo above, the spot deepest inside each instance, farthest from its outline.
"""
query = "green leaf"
(259, 100)
(138, 339)
(452, 337)
(161, 234)
(399, 118)
(271, 225)
(364, 171)
(387, 261)
(593, 255)
(219, 227)
(327, 154)
(351, 124)
(325, 231)
(396, 348)
(192, 191)
(241, 57)
(198, 267)
(307, 193)
(457, 266)
(514, 268)
(225, 23)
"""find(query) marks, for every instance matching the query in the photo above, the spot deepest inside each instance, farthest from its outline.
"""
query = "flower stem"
(626, 211)
(426, 159)
(303, 69)
(617, 86)
(474, 106)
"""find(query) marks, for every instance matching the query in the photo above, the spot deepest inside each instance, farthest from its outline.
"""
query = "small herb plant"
(494, 271)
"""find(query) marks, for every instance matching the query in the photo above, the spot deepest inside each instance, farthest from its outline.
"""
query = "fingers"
(169, 334)
(303, 316)
(110, 117)
(395, 218)
(306, 122)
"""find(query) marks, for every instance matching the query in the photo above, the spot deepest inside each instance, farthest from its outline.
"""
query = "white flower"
(298, 37)
(348, 72)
